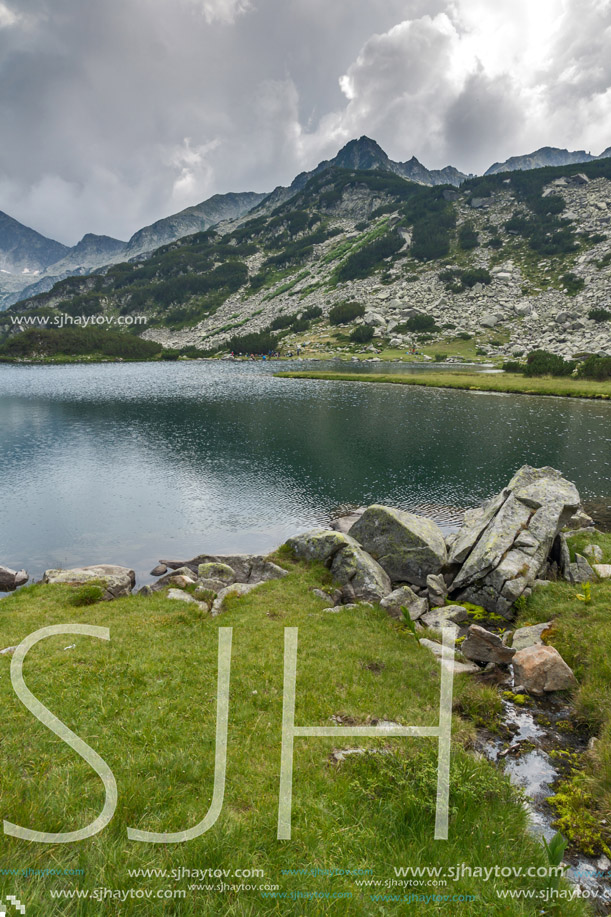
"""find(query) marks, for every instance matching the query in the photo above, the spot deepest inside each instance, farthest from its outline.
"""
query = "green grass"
(502, 382)
(582, 635)
(146, 703)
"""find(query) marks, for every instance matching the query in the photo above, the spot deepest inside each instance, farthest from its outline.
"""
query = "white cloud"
(7, 16)
(223, 11)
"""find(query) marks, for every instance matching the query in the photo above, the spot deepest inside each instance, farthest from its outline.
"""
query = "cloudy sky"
(117, 112)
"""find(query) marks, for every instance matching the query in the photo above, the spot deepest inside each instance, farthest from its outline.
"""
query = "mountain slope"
(198, 218)
(24, 249)
(546, 156)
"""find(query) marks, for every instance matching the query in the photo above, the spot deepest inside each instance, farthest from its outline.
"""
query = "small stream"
(537, 732)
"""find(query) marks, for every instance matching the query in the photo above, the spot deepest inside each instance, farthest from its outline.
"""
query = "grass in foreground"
(146, 702)
(509, 383)
(582, 635)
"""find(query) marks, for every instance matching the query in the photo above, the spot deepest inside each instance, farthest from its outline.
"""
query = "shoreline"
(503, 383)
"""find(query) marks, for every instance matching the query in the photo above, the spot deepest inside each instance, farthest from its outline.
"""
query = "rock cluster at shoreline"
(512, 543)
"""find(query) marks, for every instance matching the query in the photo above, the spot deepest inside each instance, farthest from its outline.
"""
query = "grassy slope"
(582, 634)
(501, 382)
(146, 703)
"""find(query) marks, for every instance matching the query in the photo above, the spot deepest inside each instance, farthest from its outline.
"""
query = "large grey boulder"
(408, 547)
(318, 545)
(12, 579)
(541, 669)
(580, 571)
(404, 597)
(353, 566)
(117, 581)
(505, 545)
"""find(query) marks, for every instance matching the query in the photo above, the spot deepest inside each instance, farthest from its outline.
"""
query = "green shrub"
(593, 367)
(170, 354)
(440, 357)
(599, 315)
(362, 334)
(256, 342)
(300, 325)
(366, 259)
(572, 283)
(312, 312)
(86, 595)
(468, 238)
(542, 363)
(495, 242)
(464, 336)
(282, 321)
(457, 280)
(513, 366)
(345, 312)
(75, 341)
(421, 322)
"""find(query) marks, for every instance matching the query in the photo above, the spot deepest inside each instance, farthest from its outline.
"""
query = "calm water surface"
(129, 463)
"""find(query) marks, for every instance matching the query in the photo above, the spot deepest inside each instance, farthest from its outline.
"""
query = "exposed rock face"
(437, 590)
(483, 646)
(580, 571)
(504, 546)
(11, 579)
(117, 581)
(541, 669)
(404, 597)
(408, 547)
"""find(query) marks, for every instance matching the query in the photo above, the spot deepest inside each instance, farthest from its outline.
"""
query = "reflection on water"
(127, 463)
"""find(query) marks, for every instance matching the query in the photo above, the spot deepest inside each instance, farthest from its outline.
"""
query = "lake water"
(129, 463)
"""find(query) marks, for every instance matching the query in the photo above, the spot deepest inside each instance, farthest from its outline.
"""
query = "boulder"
(594, 553)
(318, 545)
(235, 589)
(159, 570)
(408, 547)
(437, 590)
(459, 665)
(353, 566)
(529, 636)
(580, 571)
(541, 669)
(247, 568)
(602, 571)
(117, 581)
(505, 545)
(215, 571)
(404, 597)
(450, 616)
(483, 646)
(12, 579)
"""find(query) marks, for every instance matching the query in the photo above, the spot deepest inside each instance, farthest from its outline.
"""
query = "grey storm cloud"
(116, 113)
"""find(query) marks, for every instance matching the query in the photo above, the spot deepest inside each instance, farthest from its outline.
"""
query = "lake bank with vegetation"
(510, 383)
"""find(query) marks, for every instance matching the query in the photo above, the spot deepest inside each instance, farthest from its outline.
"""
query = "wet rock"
(542, 669)
(408, 547)
(215, 571)
(117, 581)
(345, 523)
(483, 646)
(404, 597)
(354, 566)
(159, 570)
(529, 636)
(12, 579)
(437, 590)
